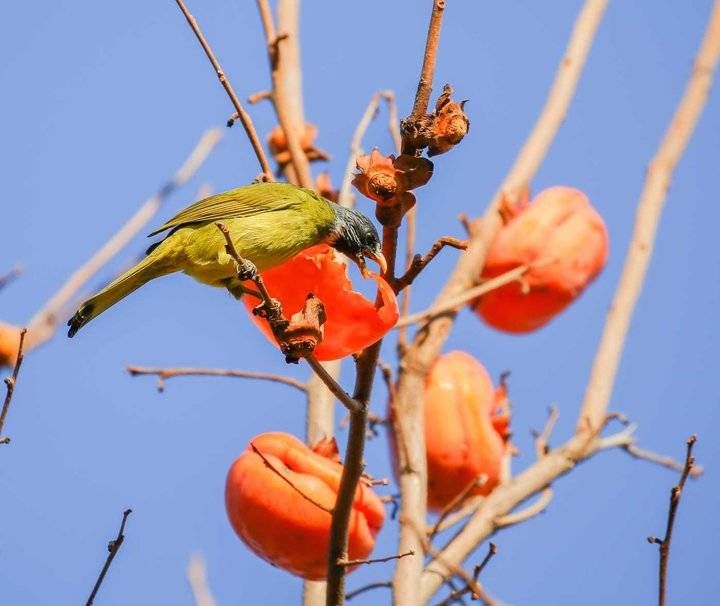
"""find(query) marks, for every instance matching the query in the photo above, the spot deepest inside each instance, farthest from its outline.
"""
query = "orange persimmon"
(563, 241)
(466, 428)
(353, 322)
(9, 343)
(279, 494)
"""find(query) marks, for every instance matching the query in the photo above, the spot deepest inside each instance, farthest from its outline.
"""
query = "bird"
(268, 223)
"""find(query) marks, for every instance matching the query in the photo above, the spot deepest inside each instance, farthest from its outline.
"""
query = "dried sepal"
(305, 330)
(328, 448)
(386, 179)
(450, 125)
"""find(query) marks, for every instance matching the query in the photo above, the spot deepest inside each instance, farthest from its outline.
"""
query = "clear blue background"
(101, 101)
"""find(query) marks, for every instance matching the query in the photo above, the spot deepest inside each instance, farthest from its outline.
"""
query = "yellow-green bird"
(268, 223)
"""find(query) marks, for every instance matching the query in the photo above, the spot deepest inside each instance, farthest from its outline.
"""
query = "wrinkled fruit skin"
(566, 239)
(9, 342)
(353, 322)
(281, 526)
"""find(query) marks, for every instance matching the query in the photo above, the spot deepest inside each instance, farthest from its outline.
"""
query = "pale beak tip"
(382, 262)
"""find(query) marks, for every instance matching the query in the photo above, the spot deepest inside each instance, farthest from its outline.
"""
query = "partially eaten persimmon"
(353, 321)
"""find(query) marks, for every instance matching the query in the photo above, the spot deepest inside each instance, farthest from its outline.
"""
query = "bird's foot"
(269, 310)
(246, 270)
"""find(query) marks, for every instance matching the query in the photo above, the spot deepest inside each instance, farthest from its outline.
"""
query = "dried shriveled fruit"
(440, 131)
(562, 239)
(278, 496)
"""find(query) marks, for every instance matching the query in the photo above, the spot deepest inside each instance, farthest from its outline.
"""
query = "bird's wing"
(241, 202)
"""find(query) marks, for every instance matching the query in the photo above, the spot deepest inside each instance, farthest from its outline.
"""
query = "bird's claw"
(269, 310)
(246, 270)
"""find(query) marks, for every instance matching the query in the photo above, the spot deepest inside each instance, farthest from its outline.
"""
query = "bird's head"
(354, 235)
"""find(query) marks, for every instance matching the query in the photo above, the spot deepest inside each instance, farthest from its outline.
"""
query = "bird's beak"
(379, 258)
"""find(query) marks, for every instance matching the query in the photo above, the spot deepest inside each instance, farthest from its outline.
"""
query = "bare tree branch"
(197, 579)
(43, 325)
(113, 548)
(376, 560)
(8, 277)
(456, 594)
(356, 150)
(168, 373)
(419, 262)
(453, 304)
(664, 543)
(650, 206)
(242, 115)
(427, 73)
(460, 499)
(662, 460)
(349, 402)
(365, 365)
(10, 383)
(286, 74)
(429, 340)
(529, 512)
(356, 592)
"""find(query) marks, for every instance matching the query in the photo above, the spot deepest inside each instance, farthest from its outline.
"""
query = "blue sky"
(101, 103)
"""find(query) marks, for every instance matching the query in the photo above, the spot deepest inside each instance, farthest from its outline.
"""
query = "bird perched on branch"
(268, 223)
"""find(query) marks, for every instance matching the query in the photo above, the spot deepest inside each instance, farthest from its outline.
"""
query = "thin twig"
(664, 543)
(8, 277)
(453, 571)
(457, 502)
(657, 183)
(529, 512)
(356, 149)
(350, 403)
(259, 96)
(662, 460)
(242, 115)
(410, 228)
(197, 578)
(113, 548)
(419, 262)
(427, 73)
(377, 585)
(376, 560)
(457, 301)
(457, 594)
(11, 383)
(470, 506)
(42, 327)
(492, 551)
(168, 373)
(272, 467)
(542, 440)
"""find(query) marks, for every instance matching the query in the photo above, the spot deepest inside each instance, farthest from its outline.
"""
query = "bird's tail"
(152, 266)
